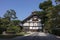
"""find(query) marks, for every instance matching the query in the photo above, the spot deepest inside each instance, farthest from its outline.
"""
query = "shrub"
(14, 29)
(56, 32)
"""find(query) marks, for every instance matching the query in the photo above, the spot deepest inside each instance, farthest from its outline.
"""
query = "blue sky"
(23, 8)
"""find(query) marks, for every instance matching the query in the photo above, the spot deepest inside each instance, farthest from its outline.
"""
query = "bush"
(56, 32)
(9, 36)
(14, 29)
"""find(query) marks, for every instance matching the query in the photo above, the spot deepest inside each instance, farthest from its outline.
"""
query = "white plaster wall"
(26, 24)
(31, 24)
(35, 24)
(35, 27)
(30, 27)
(30, 20)
(39, 20)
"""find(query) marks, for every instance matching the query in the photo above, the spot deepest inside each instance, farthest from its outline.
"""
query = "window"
(35, 24)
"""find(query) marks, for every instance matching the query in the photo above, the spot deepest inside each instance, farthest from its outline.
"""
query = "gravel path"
(36, 36)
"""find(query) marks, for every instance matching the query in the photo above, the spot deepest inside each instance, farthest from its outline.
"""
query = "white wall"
(39, 20)
(35, 24)
(35, 27)
(31, 24)
(26, 24)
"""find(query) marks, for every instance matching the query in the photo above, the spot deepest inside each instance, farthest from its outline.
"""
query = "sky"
(23, 8)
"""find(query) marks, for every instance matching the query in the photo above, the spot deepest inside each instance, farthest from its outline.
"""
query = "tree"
(14, 29)
(42, 14)
(10, 14)
(16, 22)
(51, 15)
(45, 5)
(7, 24)
(57, 2)
(3, 24)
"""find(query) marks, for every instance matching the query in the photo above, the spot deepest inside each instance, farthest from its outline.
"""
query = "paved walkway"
(39, 34)
(36, 36)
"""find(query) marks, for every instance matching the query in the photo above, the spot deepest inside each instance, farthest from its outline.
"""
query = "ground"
(36, 36)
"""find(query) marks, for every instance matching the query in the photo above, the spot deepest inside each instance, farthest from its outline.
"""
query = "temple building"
(32, 23)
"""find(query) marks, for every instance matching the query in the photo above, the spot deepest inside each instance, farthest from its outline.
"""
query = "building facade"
(32, 23)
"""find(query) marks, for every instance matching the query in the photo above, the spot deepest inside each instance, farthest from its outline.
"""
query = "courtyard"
(36, 36)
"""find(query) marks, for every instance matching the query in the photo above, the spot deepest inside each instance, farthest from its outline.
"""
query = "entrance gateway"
(32, 23)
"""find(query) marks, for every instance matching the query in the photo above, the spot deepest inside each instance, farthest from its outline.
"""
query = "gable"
(31, 17)
(34, 20)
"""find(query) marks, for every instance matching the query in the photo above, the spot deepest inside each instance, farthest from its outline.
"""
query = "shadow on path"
(35, 36)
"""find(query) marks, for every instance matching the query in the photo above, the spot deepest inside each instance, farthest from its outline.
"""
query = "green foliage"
(51, 16)
(56, 32)
(16, 22)
(45, 5)
(57, 8)
(6, 24)
(42, 14)
(57, 2)
(10, 14)
(13, 28)
(3, 24)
